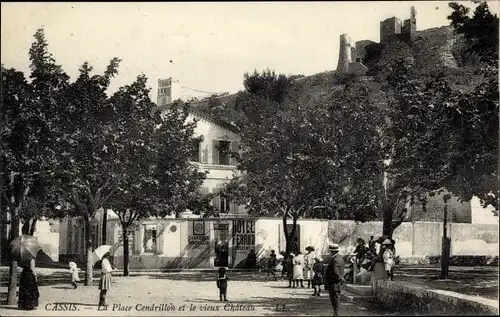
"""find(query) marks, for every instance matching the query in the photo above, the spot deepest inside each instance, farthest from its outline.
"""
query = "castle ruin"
(352, 54)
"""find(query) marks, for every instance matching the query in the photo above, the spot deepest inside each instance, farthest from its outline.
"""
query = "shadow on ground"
(292, 305)
(211, 276)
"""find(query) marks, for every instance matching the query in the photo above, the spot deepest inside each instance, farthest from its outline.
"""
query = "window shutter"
(235, 146)
(204, 152)
(215, 152)
(160, 237)
(199, 143)
(233, 208)
(137, 240)
(216, 199)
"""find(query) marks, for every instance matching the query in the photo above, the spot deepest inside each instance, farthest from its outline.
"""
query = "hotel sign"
(243, 234)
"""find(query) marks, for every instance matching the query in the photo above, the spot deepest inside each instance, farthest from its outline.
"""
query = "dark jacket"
(335, 273)
(319, 273)
(222, 281)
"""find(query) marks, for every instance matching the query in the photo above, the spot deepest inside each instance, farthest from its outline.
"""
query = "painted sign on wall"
(243, 236)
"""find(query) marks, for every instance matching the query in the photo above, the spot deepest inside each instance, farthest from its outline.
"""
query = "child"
(271, 265)
(318, 269)
(222, 283)
(73, 269)
(388, 256)
(298, 270)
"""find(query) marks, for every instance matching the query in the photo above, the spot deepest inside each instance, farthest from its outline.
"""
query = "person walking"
(105, 281)
(271, 265)
(319, 275)
(308, 266)
(298, 270)
(28, 287)
(73, 270)
(334, 278)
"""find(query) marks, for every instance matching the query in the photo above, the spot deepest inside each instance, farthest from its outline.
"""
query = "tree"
(87, 173)
(480, 31)
(145, 142)
(30, 121)
(298, 159)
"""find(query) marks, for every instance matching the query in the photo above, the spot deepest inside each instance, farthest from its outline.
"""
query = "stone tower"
(410, 26)
(168, 91)
(346, 51)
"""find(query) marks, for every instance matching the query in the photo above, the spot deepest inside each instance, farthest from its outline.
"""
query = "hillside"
(433, 49)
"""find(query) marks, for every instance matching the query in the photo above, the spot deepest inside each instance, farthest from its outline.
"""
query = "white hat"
(333, 247)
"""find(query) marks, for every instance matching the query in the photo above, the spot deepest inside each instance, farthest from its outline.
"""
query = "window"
(149, 241)
(195, 154)
(224, 204)
(223, 148)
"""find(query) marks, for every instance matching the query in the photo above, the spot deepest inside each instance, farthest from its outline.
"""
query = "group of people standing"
(379, 250)
(299, 267)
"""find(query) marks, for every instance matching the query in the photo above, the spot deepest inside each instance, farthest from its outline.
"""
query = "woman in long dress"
(298, 270)
(308, 265)
(105, 281)
(28, 287)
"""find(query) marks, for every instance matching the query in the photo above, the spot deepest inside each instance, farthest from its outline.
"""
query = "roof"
(194, 110)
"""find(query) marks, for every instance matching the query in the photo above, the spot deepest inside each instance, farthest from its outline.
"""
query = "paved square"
(184, 293)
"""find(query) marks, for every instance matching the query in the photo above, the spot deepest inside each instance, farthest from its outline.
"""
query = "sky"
(204, 46)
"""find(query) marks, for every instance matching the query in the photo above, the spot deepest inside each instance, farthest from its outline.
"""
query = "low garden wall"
(417, 299)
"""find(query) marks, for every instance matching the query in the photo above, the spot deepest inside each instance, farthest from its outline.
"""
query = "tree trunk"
(33, 226)
(126, 255)
(388, 212)
(104, 225)
(287, 236)
(88, 251)
(14, 232)
(445, 247)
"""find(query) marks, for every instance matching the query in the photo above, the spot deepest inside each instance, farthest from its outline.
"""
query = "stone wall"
(178, 246)
(422, 300)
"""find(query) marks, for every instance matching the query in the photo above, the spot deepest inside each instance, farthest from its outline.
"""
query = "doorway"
(221, 235)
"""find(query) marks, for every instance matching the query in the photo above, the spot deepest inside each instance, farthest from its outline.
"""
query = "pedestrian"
(105, 281)
(73, 269)
(388, 256)
(308, 265)
(28, 287)
(251, 259)
(298, 270)
(334, 278)
(222, 283)
(319, 275)
(289, 269)
(271, 265)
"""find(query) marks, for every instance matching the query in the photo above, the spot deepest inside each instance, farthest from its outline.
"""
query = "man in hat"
(334, 277)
